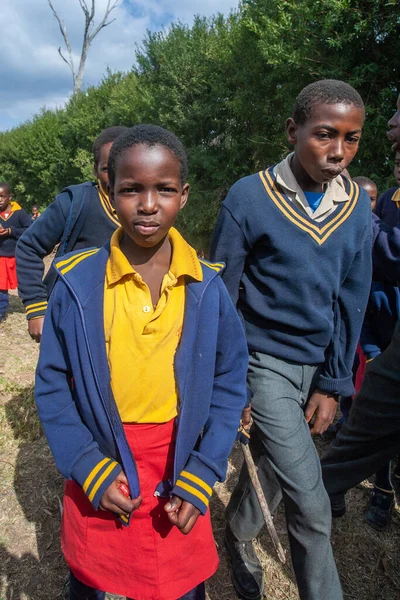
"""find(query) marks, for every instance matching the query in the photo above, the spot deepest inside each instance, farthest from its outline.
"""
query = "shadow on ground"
(37, 571)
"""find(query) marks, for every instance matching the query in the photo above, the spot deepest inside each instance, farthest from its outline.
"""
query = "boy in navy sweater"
(296, 239)
(80, 217)
(13, 222)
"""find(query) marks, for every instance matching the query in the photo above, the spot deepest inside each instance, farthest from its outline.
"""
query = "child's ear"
(184, 196)
(291, 131)
(95, 171)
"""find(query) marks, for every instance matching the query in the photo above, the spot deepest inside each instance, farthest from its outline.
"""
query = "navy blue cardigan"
(301, 286)
(82, 423)
(75, 220)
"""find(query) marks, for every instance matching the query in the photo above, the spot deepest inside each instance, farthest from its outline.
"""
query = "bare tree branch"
(63, 57)
(88, 36)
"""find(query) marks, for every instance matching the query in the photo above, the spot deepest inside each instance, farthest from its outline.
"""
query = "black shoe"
(3, 317)
(247, 573)
(379, 510)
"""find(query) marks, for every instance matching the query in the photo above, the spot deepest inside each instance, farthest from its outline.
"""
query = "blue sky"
(32, 73)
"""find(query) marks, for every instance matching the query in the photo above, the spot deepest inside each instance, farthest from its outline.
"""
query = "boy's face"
(326, 143)
(148, 193)
(396, 170)
(34, 211)
(5, 198)
(372, 193)
(394, 128)
(101, 169)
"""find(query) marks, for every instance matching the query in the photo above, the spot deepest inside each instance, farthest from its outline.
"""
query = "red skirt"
(150, 559)
(8, 273)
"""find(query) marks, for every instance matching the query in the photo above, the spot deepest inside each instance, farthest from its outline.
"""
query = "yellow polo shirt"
(141, 340)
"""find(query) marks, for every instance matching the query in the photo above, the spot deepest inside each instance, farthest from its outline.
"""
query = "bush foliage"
(226, 86)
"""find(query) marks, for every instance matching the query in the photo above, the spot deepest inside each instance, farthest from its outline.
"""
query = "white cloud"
(31, 70)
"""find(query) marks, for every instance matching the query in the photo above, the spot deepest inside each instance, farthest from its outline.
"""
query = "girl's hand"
(115, 500)
(182, 514)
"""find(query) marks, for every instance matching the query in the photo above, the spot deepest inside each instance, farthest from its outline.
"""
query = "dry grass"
(31, 564)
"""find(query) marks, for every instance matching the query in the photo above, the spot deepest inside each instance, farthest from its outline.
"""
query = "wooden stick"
(251, 467)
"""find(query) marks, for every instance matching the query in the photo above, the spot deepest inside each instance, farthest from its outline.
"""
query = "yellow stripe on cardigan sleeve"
(101, 479)
(93, 473)
(194, 491)
(197, 480)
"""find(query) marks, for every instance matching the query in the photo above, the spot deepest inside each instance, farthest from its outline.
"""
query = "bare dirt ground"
(31, 563)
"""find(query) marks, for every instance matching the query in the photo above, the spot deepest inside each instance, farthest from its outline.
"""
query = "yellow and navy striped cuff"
(97, 477)
(36, 310)
(196, 487)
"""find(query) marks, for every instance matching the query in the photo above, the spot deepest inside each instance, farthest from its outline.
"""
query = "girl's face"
(148, 193)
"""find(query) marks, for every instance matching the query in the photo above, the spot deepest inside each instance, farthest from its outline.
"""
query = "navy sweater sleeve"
(37, 242)
(76, 453)
(336, 376)
(229, 245)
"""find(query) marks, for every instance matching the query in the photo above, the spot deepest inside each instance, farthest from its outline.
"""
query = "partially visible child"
(13, 222)
(382, 314)
(35, 213)
(158, 358)
(80, 217)
(388, 203)
(370, 187)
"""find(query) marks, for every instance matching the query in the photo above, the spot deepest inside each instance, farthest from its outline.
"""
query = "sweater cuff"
(95, 473)
(195, 484)
(336, 387)
(35, 309)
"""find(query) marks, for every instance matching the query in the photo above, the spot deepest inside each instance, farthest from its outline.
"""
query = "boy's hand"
(115, 500)
(182, 514)
(4, 232)
(323, 406)
(35, 328)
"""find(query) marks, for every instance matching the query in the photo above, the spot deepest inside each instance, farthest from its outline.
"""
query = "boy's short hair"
(150, 135)
(325, 91)
(364, 181)
(107, 136)
(7, 186)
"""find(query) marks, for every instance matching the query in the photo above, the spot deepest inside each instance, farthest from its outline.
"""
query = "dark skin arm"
(322, 407)
(115, 501)
(182, 514)
(35, 328)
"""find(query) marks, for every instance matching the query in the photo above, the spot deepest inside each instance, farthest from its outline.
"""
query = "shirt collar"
(184, 259)
(334, 190)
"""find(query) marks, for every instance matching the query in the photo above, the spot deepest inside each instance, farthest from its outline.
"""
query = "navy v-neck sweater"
(17, 222)
(301, 286)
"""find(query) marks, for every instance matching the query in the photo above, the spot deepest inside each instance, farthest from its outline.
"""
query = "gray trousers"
(288, 467)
